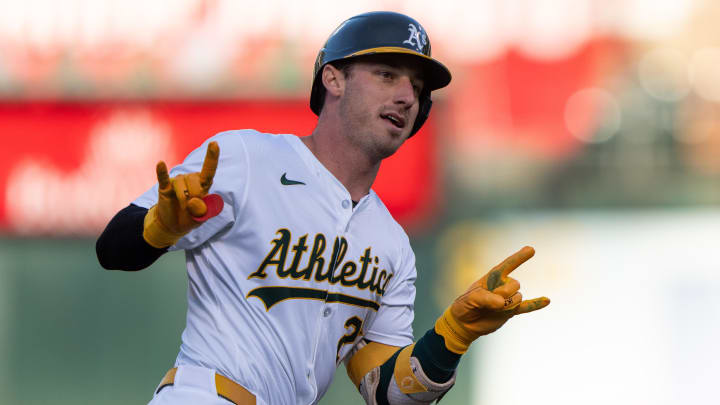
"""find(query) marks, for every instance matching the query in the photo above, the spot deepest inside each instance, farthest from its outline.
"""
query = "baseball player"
(294, 263)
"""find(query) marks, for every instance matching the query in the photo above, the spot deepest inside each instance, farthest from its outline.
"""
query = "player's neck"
(354, 170)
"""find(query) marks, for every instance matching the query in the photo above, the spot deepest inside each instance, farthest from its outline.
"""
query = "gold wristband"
(155, 233)
(457, 339)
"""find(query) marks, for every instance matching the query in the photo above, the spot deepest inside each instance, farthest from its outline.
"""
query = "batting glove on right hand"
(183, 202)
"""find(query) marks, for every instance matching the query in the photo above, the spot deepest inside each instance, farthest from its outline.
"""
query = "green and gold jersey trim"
(274, 295)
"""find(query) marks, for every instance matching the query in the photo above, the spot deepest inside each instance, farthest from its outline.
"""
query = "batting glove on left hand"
(487, 305)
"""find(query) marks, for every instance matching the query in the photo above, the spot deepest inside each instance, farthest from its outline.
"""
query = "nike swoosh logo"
(285, 182)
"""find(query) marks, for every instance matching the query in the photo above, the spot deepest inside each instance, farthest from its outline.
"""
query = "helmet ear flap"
(423, 112)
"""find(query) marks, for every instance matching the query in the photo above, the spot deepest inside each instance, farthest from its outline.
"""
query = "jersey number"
(353, 326)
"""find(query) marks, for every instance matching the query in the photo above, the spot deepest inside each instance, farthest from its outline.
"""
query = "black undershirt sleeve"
(121, 245)
(437, 361)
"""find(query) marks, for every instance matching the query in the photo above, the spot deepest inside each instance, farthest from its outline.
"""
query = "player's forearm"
(437, 361)
(415, 374)
(419, 374)
(121, 245)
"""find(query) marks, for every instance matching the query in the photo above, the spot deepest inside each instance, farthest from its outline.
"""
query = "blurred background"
(588, 129)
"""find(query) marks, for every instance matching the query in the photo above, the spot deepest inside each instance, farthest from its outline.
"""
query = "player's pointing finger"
(498, 275)
(209, 165)
(512, 262)
(162, 175)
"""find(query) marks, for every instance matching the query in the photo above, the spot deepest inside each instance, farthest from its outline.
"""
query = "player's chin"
(396, 134)
(389, 139)
(391, 145)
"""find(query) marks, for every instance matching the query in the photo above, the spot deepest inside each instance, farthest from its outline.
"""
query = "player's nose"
(405, 93)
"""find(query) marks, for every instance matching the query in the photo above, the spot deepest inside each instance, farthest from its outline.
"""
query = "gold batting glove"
(183, 202)
(487, 305)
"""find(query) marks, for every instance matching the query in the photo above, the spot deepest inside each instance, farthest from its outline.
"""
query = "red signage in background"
(67, 167)
(517, 103)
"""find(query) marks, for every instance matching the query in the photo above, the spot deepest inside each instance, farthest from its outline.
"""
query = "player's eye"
(385, 74)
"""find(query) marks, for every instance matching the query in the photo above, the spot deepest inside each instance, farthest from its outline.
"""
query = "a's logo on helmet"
(418, 38)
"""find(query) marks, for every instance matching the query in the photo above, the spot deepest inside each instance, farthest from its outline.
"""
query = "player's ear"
(333, 79)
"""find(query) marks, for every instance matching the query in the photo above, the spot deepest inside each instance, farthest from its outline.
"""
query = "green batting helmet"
(381, 32)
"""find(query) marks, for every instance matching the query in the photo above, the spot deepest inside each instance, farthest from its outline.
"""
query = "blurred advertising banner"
(67, 167)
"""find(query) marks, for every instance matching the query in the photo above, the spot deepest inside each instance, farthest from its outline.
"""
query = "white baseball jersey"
(266, 306)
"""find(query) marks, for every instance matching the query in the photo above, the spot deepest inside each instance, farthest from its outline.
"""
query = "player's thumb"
(202, 209)
(196, 207)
